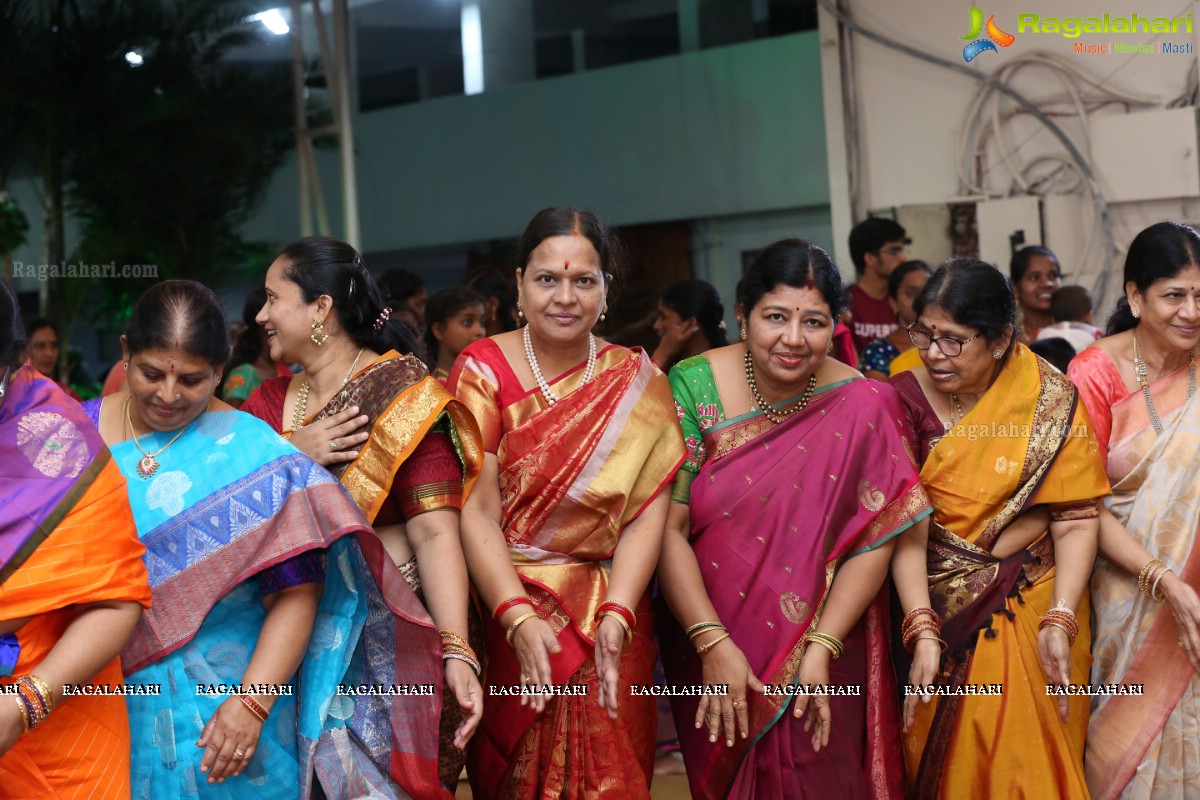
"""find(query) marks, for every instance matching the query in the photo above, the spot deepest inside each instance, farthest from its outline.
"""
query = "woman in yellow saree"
(1001, 435)
(1138, 384)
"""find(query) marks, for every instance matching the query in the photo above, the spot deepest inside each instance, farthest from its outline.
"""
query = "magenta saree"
(775, 510)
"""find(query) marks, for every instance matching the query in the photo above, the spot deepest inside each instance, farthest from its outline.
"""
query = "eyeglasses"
(949, 346)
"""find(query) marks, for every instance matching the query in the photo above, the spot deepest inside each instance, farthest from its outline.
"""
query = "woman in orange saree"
(69, 596)
(563, 530)
(1001, 433)
(1138, 384)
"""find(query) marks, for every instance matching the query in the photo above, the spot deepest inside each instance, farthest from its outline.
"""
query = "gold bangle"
(623, 623)
(43, 690)
(24, 712)
(704, 648)
(830, 643)
(512, 629)
(701, 627)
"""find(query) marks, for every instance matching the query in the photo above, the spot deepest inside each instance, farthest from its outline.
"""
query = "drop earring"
(743, 331)
(520, 311)
(319, 335)
(604, 312)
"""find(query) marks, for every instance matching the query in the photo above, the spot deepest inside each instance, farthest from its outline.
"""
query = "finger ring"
(524, 677)
(332, 444)
(239, 752)
(737, 703)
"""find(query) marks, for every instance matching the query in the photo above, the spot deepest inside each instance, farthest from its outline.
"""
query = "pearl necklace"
(301, 409)
(531, 357)
(768, 411)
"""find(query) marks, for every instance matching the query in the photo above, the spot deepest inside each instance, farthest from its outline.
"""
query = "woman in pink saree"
(783, 520)
(1138, 384)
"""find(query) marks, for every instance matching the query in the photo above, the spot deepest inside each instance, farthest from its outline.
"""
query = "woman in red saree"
(783, 520)
(69, 596)
(563, 530)
(1138, 384)
(407, 452)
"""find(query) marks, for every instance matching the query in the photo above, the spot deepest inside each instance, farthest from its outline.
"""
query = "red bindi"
(566, 265)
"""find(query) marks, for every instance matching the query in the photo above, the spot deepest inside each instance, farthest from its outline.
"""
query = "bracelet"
(1154, 595)
(937, 639)
(911, 637)
(23, 705)
(830, 643)
(452, 639)
(917, 612)
(1147, 575)
(700, 627)
(512, 602)
(625, 611)
(256, 708)
(1061, 619)
(512, 629)
(704, 648)
(621, 620)
(464, 658)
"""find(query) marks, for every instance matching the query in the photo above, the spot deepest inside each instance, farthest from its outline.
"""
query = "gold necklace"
(1142, 372)
(770, 413)
(301, 409)
(956, 412)
(148, 464)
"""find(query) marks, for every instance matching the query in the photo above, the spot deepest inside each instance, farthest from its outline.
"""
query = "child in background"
(1071, 308)
(455, 317)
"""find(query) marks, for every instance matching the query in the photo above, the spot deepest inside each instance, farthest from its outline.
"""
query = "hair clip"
(383, 318)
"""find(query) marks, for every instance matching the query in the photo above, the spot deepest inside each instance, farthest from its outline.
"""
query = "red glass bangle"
(512, 602)
(625, 612)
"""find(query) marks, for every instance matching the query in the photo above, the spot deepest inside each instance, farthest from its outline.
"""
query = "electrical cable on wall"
(992, 83)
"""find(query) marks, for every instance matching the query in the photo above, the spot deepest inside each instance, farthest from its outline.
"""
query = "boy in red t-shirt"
(877, 248)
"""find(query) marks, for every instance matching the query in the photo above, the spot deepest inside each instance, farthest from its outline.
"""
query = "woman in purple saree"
(782, 526)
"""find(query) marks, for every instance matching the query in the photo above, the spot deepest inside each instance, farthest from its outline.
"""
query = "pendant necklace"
(148, 464)
(301, 409)
(1141, 372)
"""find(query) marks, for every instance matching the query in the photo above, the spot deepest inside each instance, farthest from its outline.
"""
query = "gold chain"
(301, 409)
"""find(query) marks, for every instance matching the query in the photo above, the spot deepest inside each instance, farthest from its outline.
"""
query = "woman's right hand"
(11, 724)
(927, 658)
(1185, 607)
(726, 665)
(332, 439)
(674, 340)
(535, 642)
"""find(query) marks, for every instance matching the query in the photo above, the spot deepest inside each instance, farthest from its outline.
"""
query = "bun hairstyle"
(322, 265)
(12, 332)
(975, 294)
(183, 314)
(1161, 251)
(797, 263)
(562, 221)
(699, 299)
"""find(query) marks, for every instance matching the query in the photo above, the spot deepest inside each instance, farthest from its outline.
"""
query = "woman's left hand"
(814, 671)
(462, 681)
(1054, 651)
(610, 641)
(231, 728)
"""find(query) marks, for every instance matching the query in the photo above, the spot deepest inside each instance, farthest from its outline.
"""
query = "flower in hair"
(383, 318)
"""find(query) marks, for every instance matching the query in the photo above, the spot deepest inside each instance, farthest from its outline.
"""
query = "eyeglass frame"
(935, 339)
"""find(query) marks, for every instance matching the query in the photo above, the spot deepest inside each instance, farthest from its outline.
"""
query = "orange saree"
(1027, 442)
(67, 538)
(572, 476)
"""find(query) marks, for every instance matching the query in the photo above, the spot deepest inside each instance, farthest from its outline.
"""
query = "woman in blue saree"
(253, 573)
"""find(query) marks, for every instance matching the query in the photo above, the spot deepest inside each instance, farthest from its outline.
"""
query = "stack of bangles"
(256, 708)
(621, 613)
(1061, 617)
(707, 627)
(34, 700)
(1148, 580)
(830, 643)
(918, 621)
(456, 647)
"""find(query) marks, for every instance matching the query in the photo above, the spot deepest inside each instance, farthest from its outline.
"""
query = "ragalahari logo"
(995, 36)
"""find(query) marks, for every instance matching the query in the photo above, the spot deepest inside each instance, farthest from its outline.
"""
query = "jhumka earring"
(319, 335)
